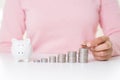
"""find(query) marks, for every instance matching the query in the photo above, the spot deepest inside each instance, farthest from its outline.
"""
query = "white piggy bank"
(21, 49)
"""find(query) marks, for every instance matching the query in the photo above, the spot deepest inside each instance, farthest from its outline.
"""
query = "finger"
(84, 44)
(103, 53)
(105, 46)
(103, 58)
(97, 41)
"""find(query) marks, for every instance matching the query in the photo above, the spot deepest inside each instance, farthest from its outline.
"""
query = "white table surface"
(94, 70)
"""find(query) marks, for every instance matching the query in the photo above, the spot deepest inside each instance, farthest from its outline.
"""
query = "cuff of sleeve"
(115, 45)
(115, 52)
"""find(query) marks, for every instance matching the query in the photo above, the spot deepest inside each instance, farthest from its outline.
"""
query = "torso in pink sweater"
(59, 25)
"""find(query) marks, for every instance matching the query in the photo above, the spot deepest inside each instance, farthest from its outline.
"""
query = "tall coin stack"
(83, 55)
(61, 58)
(72, 57)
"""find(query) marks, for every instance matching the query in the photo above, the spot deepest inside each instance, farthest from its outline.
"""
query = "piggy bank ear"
(14, 40)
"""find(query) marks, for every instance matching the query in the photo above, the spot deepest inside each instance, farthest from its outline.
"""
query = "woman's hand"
(101, 48)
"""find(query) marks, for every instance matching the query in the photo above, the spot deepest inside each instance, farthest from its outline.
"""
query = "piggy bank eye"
(18, 52)
(22, 52)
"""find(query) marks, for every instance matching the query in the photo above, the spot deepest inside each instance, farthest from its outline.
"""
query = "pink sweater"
(59, 25)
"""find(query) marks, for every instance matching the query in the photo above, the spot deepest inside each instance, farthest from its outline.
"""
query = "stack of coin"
(52, 59)
(44, 60)
(34, 61)
(72, 57)
(83, 55)
(38, 61)
(61, 58)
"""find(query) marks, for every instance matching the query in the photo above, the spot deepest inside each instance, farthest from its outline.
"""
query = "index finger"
(97, 41)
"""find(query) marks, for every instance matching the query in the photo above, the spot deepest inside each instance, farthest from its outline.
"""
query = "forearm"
(115, 39)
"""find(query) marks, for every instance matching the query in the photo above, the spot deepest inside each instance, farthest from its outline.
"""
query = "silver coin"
(34, 60)
(52, 59)
(44, 60)
(38, 60)
(61, 58)
(83, 55)
(72, 57)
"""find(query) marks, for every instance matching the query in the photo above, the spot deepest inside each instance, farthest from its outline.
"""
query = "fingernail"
(89, 44)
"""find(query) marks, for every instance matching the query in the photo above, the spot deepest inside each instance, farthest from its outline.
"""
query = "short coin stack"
(44, 60)
(52, 59)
